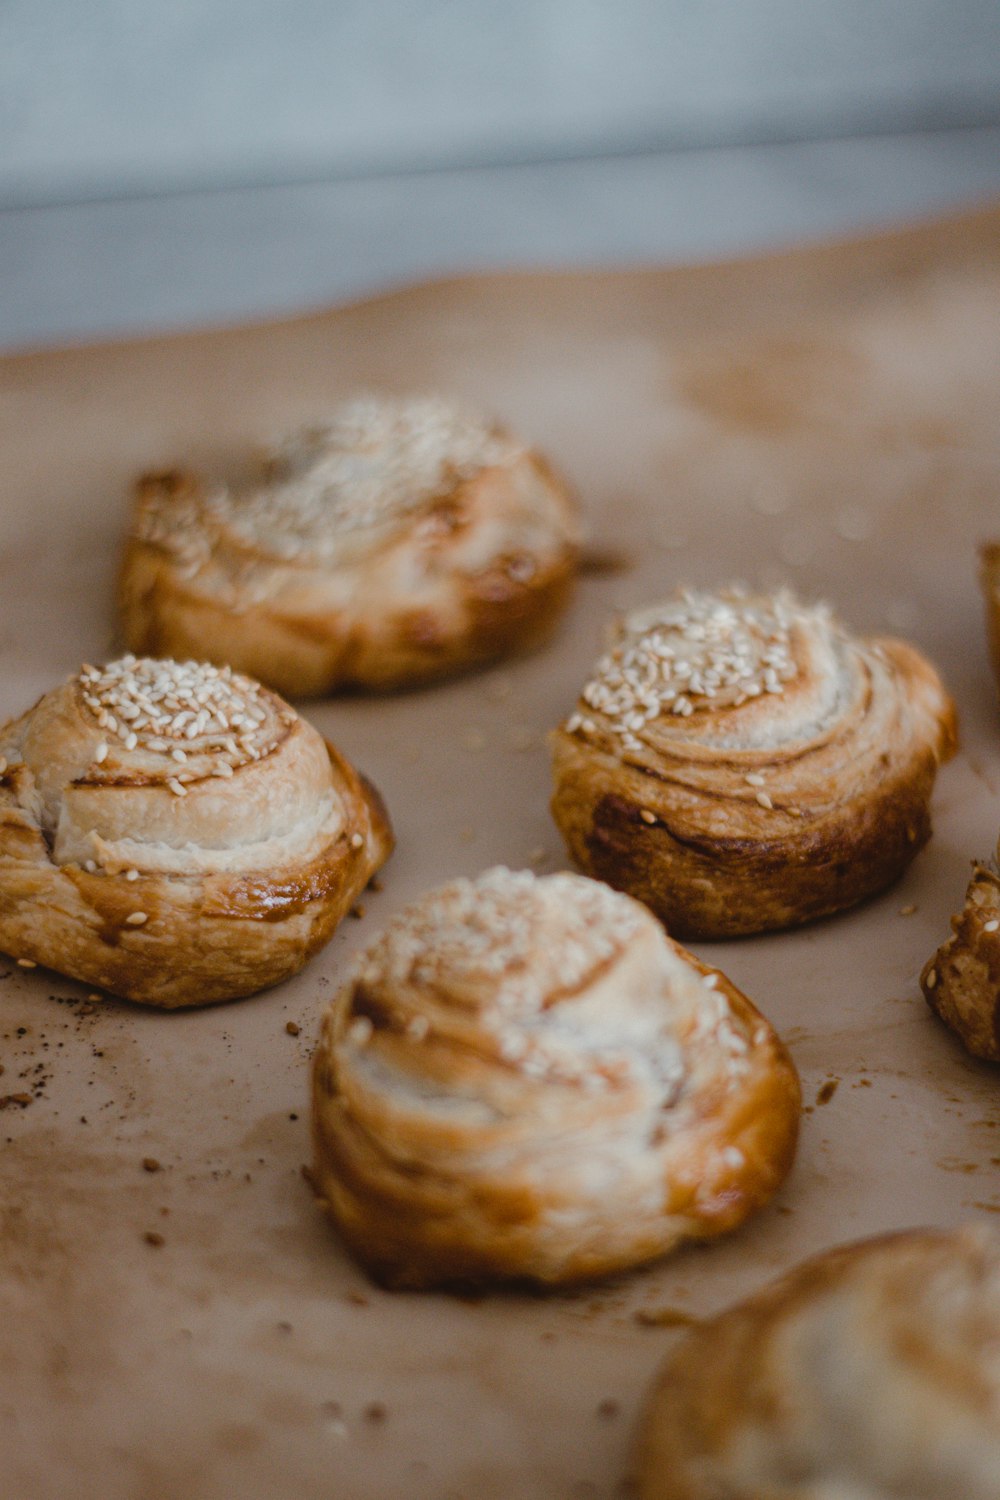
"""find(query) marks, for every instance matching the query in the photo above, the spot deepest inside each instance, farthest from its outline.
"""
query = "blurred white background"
(207, 159)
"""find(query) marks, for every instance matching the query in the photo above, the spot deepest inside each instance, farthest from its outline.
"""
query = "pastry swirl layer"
(176, 833)
(401, 541)
(525, 1078)
(742, 762)
(872, 1372)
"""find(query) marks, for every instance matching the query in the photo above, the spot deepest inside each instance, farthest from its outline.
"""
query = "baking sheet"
(826, 418)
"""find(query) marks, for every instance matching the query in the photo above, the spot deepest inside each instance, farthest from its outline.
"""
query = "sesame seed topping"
(646, 815)
(525, 959)
(754, 778)
(695, 652)
(183, 710)
(932, 979)
(375, 463)
(357, 840)
(137, 918)
(764, 800)
(992, 925)
(26, 963)
(131, 874)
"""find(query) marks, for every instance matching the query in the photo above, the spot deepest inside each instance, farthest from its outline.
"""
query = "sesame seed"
(932, 979)
(754, 778)
(907, 911)
(137, 918)
(992, 925)
(101, 753)
(360, 1031)
(764, 800)
(131, 874)
(26, 963)
(646, 815)
(3, 764)
(357, 840)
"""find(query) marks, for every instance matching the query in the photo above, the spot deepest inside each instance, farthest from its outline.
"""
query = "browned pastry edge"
(989, 579)
(617, 823)
(310, 654)
(704, 1196)
(207, 938)
(961, 983)
(715, 1380)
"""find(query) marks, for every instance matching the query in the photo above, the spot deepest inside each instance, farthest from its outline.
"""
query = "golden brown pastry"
(870, 1373)
(401, 542)
(740, 762)
(176, 834)
(962, 981)
(526, 1078)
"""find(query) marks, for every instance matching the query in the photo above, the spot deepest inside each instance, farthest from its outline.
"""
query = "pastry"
(525, 1078)
(740, 762)
(871, 1373)
(961, 983)
(176, 834)
(402, 541)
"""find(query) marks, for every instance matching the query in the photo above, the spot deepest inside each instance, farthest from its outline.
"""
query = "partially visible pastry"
(740, 762)
(401, 541)
(989, 578)
(525, 1078)
(961, 983)
(869, 1373)
(176, 834)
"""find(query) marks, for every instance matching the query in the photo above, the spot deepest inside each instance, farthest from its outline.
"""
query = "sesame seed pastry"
(176, 834)
(869, 1373)
(740, 762)
(961, 983)
(526, 1079)
(401, 542)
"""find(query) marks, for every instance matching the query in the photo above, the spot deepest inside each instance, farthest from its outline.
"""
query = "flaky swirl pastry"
(400, 542)
(870, 1373)
(525, 1078)
(741, 762)
(176, 834)
(961, 983)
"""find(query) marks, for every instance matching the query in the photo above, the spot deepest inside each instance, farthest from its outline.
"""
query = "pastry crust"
(526, 1079)
(870, 1372)
(741, 763)
(961, 983)
(177, 834)
(402, 542)
(989, 578)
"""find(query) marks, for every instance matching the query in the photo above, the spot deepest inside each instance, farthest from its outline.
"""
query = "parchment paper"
(826, 418)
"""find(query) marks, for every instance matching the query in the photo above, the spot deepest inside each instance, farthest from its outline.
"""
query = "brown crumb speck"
(293, 1028)
(375, 1412)
(151, 1237)
(827, 1090)
(608, 1408)
(150, 1164)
